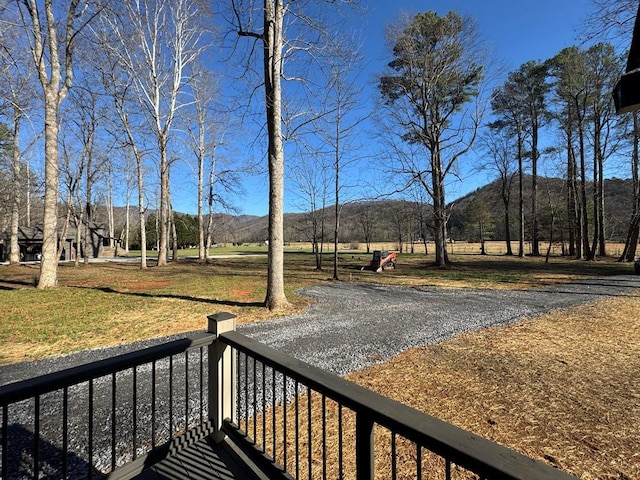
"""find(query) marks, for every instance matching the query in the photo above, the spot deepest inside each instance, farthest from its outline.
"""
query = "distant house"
(30, 243)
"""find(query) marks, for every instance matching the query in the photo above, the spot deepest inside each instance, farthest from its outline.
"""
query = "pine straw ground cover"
(563, 388)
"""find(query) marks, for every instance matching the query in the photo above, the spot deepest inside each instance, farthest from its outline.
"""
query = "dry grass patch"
(108, 304)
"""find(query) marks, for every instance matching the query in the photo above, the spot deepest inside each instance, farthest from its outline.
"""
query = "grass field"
(563, 387)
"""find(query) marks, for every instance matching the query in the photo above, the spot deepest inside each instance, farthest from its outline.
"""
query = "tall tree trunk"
(322, 219)
(14, 247)
(28, 197)
(87, 233)
(110, 211)
(52, 53)
(507, 224)
(595, 191)
(202, 253)
(210, 204)
(439, 213)
(88, 237)
(631, 243)
(65, 228)
(507, 181)
(602, 247)
(141, 217)
(174, 233)
(49, 264)
(127, 225)
(571, 197)
(163, 211)
(520, 196)
(535, 242)
(583, 197)
(273, 43)
(336, 224)
(76, 260)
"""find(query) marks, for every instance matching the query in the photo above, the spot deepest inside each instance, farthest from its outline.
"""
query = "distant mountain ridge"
(393, 220)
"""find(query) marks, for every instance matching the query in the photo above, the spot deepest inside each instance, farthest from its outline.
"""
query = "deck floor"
(202, 460)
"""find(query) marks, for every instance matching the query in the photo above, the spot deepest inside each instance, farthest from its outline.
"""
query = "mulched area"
(563, 388)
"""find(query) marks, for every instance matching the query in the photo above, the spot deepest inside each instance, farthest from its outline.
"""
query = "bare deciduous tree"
(271, 36)
(53, 33)
(119, 86)
(310, 176)
(16, 94)
(501, 162)
(159, 41)
(341, 118)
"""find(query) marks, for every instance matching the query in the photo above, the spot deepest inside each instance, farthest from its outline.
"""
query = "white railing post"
(222, 371)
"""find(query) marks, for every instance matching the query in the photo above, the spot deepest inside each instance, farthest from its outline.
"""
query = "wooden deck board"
(204, 460)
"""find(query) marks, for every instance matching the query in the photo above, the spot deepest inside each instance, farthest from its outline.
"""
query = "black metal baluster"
(297, 415)
(170, 420)
(340, 457)
(324, 437)
(264, 408)
(310, 453)
(237, 377)
(394, 465)
(447, 469)
(65, 432)
(202, 385)
(135, 412)
(365, 429)
(284, 420)
(153, 404)
(186, 390)
(273, 409)
(90, 447)
(255, 403)
(113, 421)
(221, 371)
(419, 462)
(36, 437)
(234, 394)
(246, 394)
(5, 441)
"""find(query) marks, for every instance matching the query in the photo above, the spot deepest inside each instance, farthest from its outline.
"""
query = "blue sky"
(516, 31)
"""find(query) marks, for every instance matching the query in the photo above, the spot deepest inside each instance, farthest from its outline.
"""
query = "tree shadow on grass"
(228, 303)
(8, 284)
(609, 286)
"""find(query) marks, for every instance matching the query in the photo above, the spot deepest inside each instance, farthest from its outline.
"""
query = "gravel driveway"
(354, 325)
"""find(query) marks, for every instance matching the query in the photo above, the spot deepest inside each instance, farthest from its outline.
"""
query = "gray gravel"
(353, 325)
